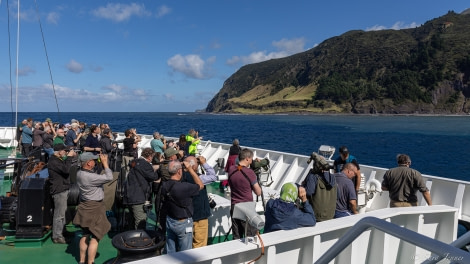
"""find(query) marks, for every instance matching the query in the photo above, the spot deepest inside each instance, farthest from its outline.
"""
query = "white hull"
(306, 245)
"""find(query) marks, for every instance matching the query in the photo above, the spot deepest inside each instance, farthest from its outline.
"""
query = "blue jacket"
(285, 216)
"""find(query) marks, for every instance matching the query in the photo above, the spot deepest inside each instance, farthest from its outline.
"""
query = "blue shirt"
(339, 162)
(157, 145)
(27, 135)
(70, 137)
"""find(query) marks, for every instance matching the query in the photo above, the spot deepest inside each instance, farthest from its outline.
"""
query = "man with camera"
(321, 189)
(202, 209)
(59, 166)
(178, 204)
(73, 136)
(283, 213)
(138, 189)
(158, 143)
(243, 182)
(192, 140)
(91, 212)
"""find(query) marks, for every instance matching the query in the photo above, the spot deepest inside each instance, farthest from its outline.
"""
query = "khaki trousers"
(200, 233)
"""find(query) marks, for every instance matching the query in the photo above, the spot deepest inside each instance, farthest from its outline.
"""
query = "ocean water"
(437, 145)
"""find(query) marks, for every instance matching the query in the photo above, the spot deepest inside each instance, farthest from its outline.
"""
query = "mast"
(17, 61)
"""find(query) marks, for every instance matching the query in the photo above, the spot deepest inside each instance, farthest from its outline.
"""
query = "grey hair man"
(179, 206)
(91, 212)
(158, 144)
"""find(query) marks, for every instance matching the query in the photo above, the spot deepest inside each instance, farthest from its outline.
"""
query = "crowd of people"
(170, 178)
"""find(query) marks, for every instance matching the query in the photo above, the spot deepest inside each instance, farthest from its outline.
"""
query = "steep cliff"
(423, 70)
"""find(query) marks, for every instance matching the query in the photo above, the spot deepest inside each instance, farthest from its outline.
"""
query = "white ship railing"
(7, 137)
(441, 250)
(308, 244)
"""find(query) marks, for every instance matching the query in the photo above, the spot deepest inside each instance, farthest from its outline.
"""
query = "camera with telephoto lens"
(319, 163)
(257, 165)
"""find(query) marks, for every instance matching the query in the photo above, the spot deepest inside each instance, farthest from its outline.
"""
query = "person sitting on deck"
(283, 214)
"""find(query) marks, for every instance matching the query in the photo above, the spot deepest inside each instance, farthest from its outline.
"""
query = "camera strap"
(168, 194)
(240, 169)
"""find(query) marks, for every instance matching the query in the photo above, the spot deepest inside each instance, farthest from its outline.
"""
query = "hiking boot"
(59, 240)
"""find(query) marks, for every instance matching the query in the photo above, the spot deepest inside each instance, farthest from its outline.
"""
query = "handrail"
(439, 248)
(458, 243)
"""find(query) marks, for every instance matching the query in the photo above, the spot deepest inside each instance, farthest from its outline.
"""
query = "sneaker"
(59, 240)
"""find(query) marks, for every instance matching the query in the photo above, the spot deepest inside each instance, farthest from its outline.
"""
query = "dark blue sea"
(437, 145)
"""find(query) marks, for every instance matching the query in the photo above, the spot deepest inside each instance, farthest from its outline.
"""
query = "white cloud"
(53, 17)
(290, 46)
(25, 71)
(163, 10)
(397, 26)
(120, 12)
(114, 88)
(74, 66)
(191, 65)
(285, 47)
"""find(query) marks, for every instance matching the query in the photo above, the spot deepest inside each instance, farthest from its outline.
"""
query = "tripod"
(262, 193)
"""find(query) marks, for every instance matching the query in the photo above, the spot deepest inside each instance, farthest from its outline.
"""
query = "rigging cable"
(47, 58)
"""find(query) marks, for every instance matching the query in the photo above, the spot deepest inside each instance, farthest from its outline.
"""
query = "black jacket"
(201, 206)
(59, 174)
(138, 186)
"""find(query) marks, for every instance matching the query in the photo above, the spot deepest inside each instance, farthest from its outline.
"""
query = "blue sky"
(169, 56)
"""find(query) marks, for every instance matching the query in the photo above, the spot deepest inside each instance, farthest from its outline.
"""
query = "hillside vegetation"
(424, 70)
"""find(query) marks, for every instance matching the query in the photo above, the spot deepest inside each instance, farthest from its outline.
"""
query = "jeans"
(60, 207)
(49, 151)
(339, 214)
(179, 234)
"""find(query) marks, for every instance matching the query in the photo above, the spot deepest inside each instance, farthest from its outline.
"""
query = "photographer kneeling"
(138, 188)
(283, 213)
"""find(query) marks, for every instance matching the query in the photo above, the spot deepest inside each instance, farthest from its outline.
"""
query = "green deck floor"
(48, 252)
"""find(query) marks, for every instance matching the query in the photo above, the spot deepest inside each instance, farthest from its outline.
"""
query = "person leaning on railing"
(403, 182)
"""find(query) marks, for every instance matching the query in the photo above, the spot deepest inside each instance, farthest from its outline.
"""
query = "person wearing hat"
(139, 186)
(283, 214)
(91, 212)
(59, 166)
(345, 157)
